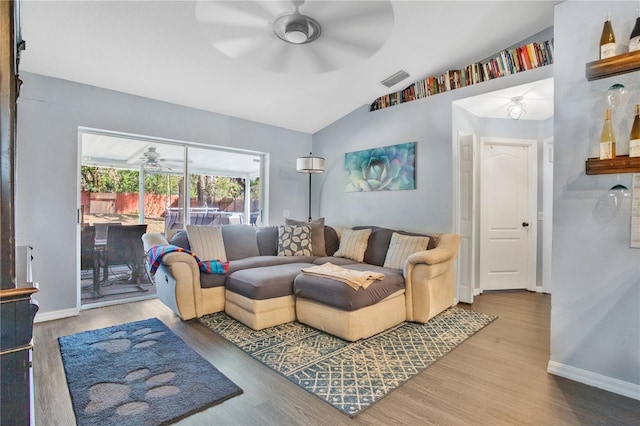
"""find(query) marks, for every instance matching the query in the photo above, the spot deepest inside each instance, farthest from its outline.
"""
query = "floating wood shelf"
(619, 64)
(620, 164)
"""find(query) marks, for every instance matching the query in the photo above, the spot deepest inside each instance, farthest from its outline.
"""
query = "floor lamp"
(310, 165)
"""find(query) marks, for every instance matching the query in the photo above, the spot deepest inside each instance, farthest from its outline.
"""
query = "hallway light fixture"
(516, 108)
(310, 165)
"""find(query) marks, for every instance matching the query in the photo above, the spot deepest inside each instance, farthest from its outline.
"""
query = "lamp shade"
(310, 164)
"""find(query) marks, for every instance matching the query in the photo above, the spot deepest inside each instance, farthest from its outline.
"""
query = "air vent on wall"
(395, 78)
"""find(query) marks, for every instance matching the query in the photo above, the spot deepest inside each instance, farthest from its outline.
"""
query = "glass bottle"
(607, 39)
(634, 137)
(607, 138)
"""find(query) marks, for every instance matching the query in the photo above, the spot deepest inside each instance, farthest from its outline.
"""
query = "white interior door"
(466, 226)
(508, 215)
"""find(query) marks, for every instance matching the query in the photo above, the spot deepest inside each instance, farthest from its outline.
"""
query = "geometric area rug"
(351, 376)
(139, 373)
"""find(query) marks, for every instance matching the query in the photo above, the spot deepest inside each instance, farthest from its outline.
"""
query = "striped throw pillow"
(206, 242)
(353, 244)
(401, 247)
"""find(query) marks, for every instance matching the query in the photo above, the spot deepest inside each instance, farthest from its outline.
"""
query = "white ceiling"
(159, 50)
(537, 98)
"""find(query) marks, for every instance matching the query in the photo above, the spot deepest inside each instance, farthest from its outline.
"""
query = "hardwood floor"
(496, 377)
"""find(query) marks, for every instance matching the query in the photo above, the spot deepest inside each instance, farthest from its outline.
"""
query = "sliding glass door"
(161, 185)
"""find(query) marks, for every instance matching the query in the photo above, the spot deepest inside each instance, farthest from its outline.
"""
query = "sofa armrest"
(429, 279)
(446, 249)
(178, 284)
(151, 239)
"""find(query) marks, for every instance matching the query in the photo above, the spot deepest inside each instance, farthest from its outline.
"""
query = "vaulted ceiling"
(199, 53)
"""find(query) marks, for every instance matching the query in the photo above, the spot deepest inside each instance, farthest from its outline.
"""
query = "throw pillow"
(353, 244)
(317, 234)
(294, 240)
(401, 247)
(206, 242)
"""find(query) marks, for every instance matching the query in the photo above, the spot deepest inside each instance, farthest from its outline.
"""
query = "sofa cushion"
(332, 259)
(181, 239)
(268, 241)
(266, 282)
(331, 240)
(206, 242)
(294, 240)
(379, 243)
(240, 241)
(339, 295)
(353, 244)
(259, 261)
(211, 280)
(317, 234)
(401, 247)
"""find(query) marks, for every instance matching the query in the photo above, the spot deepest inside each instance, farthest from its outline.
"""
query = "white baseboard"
(610, 384)
(54, 315)
(477, 292)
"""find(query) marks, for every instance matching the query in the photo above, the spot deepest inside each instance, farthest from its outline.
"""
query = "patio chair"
(101, 230)
(89, 258)
(124, 247)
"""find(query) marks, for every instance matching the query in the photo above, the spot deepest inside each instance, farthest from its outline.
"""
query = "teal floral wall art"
(389, 168)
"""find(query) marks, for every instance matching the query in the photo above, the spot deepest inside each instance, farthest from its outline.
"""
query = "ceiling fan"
(152, 161)
(296, 36)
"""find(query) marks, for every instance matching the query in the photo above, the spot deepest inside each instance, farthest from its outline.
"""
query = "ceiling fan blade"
(350, 13)
(275, 8)
(351, 31)
(239, 47)
(239, 13)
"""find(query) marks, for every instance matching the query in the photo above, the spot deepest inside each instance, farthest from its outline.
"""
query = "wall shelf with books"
(620, 164)
(616, 65)
(507, 62)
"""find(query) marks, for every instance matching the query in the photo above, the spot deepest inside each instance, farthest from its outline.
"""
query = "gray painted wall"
(595, 315)
(428, 122)
(49, 114)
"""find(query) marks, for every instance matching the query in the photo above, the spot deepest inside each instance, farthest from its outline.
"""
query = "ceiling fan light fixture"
(296, 28)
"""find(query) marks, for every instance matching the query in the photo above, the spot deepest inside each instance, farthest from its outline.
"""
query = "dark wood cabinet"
(17, 311)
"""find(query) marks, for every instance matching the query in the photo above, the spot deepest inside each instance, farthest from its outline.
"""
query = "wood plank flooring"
(496, 377)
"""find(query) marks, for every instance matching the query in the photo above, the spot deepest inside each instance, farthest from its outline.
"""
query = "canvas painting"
(389, 168)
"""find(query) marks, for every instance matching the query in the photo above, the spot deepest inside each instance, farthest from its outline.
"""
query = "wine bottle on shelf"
(634, 38)
(607, 39)
(607, 138)
(634, 139)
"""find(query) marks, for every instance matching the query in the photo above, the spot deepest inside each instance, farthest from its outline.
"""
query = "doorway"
(484, 116)
(508, 225)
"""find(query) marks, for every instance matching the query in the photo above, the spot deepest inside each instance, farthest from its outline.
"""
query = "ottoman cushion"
(339, 295)
(265, 282)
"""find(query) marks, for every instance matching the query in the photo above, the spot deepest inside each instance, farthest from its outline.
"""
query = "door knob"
(525, 224)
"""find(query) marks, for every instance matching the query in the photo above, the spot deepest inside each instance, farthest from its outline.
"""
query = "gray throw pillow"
(294, 240)
(317, 234)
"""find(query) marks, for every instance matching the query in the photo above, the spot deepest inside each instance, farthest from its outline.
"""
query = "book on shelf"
(507, 62)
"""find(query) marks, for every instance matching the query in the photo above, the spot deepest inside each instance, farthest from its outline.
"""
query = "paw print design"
(106, 395)
(120, 341)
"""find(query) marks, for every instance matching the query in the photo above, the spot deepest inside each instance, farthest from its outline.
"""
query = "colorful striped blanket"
(156, 253)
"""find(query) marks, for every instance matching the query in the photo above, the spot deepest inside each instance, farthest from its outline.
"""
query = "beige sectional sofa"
(262, 289)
